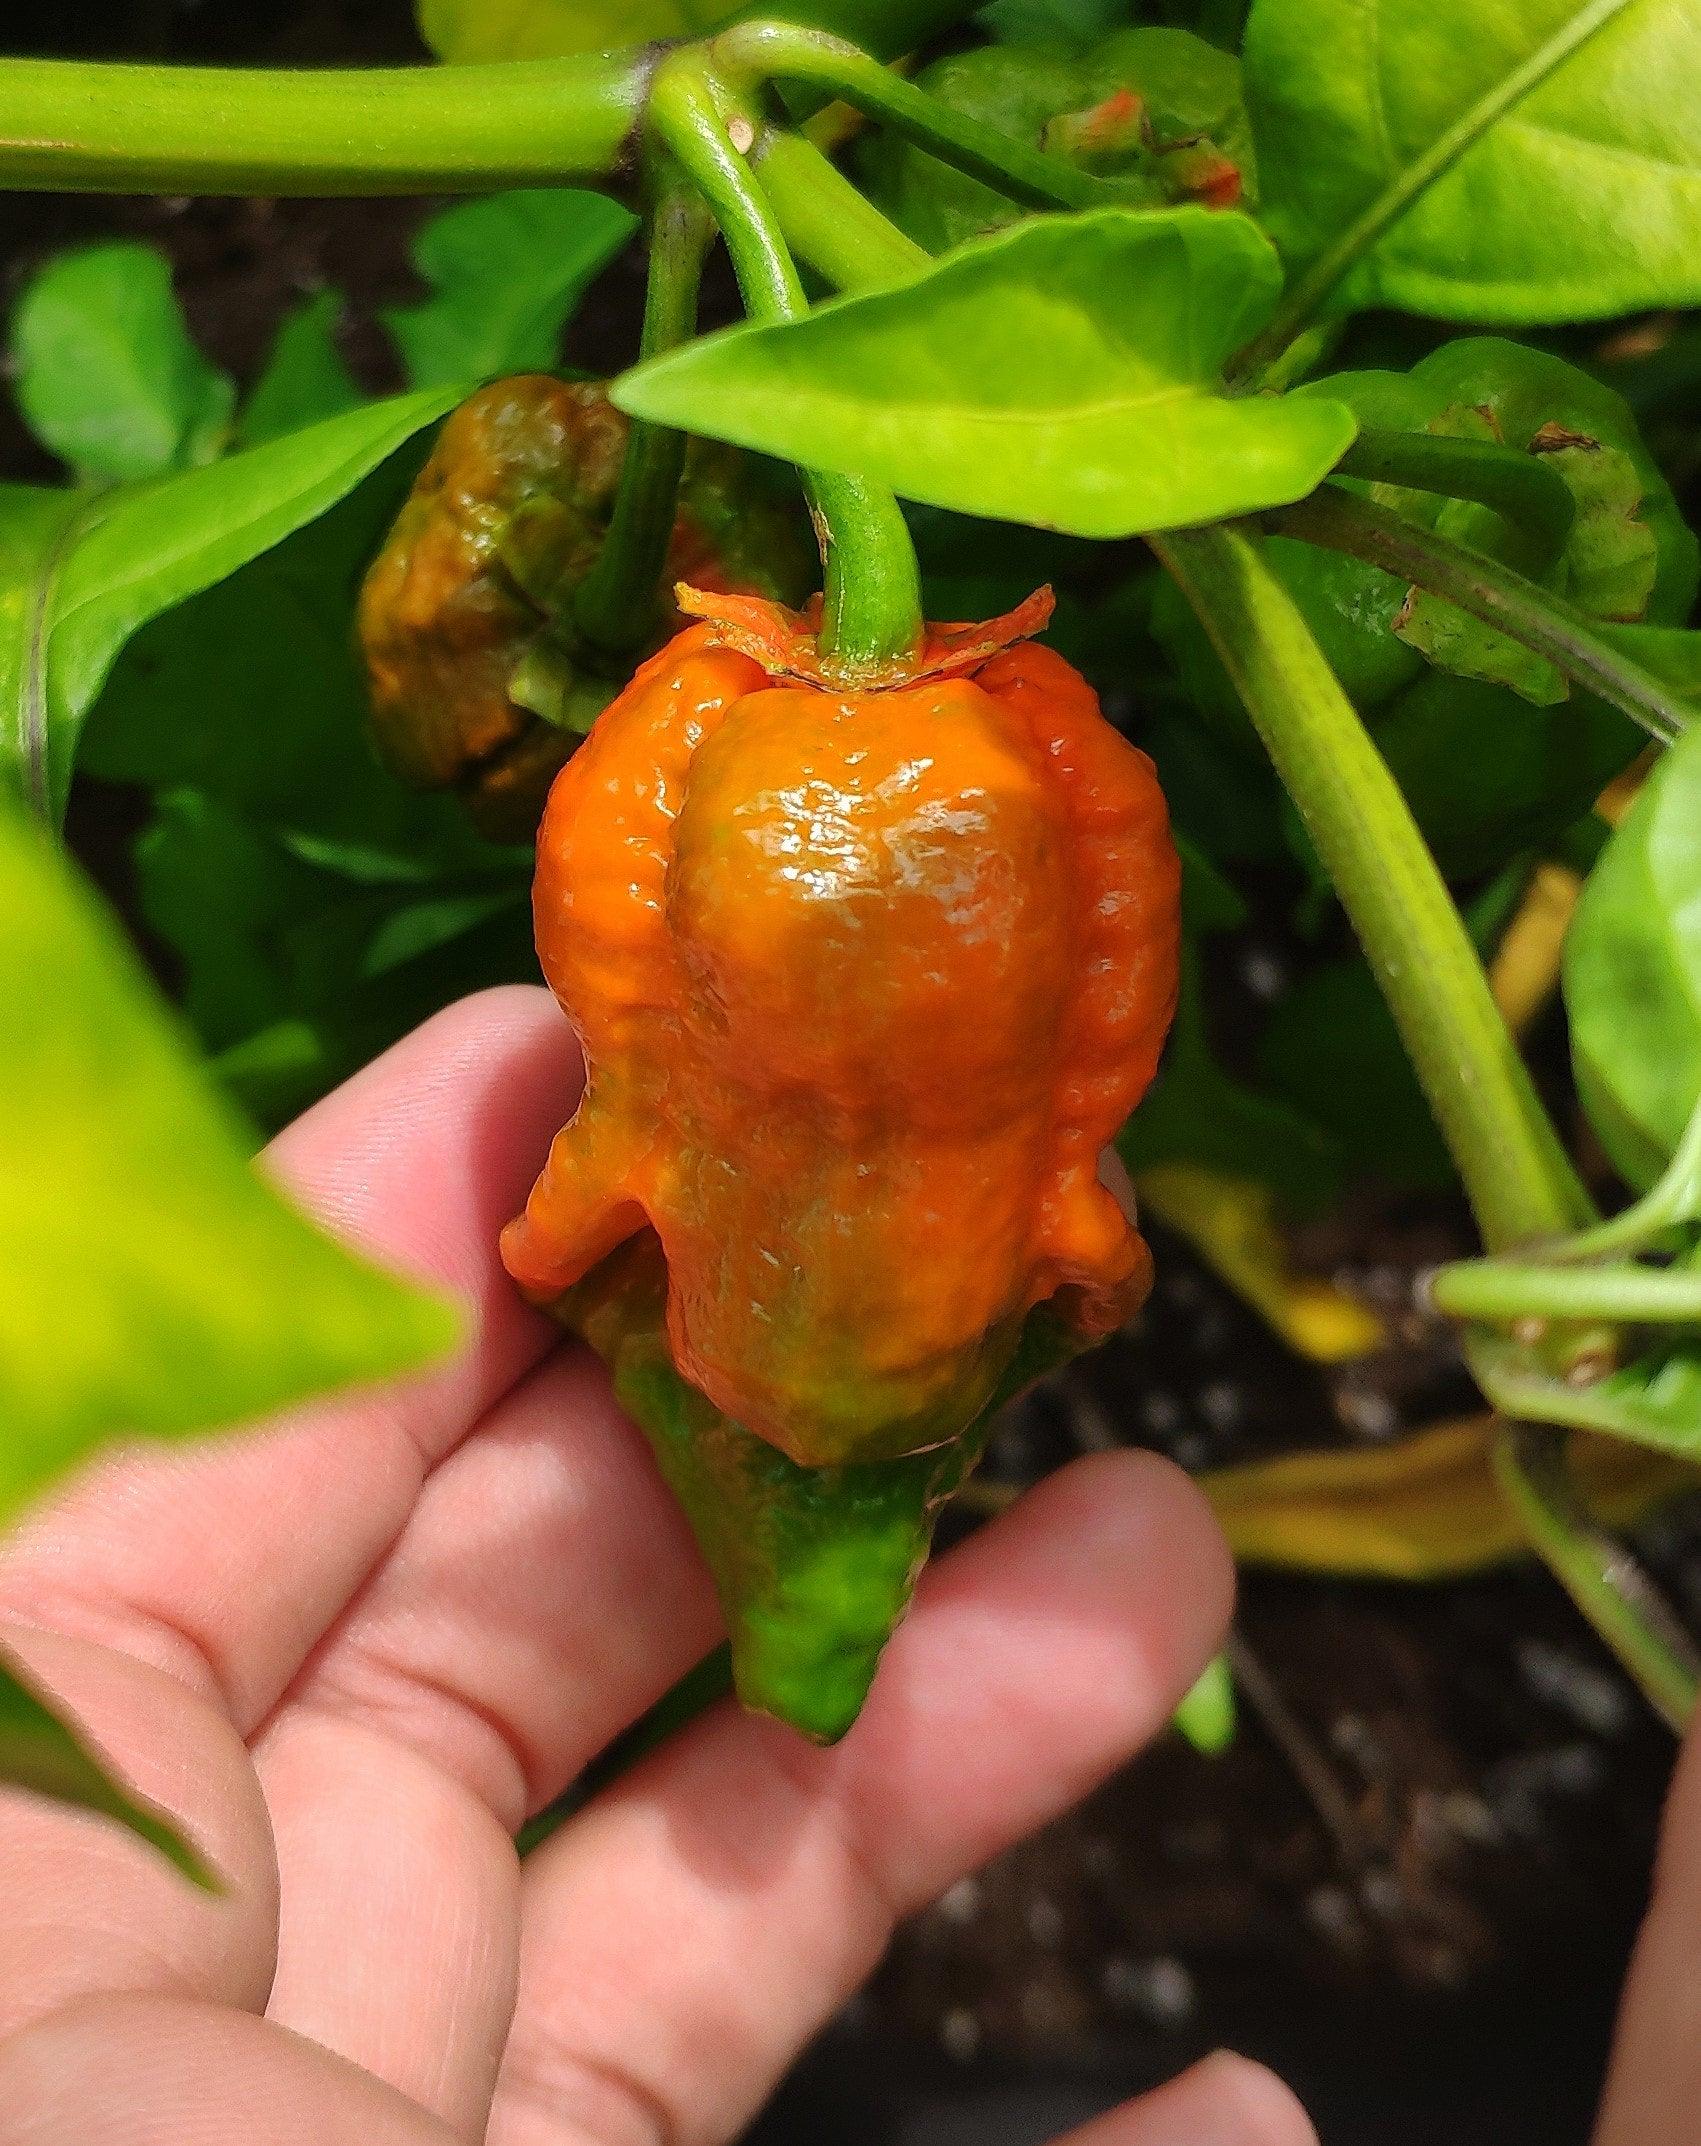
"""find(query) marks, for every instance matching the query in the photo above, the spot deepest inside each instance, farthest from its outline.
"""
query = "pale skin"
(351, 1652)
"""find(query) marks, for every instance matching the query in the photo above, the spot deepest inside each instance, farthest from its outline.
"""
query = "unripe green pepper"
(1493, 751)
(1156, 108)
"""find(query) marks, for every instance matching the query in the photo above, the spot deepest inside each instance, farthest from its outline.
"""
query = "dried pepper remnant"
(478, 677)
(866, 980)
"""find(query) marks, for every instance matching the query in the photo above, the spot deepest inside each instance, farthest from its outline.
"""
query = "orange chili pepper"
(866, 979)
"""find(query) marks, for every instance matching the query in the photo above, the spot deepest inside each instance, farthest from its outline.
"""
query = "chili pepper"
(1156, 108)
(1444, 698)
(478, 680)
(866, 979)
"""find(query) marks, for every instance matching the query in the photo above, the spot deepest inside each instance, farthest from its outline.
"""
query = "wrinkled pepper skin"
(866, 980)
(477, 678)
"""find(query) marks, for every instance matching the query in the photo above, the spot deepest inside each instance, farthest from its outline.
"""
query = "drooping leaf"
(506, 272)
(1633, 972)
(154, 1285)
(1425, 1508)
(49, 1757)
(305, 377)
(1531, 161)
(1064, 373)
(105, 372)
(79, 573)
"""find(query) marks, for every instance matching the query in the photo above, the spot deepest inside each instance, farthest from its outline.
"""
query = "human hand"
(352, 1651)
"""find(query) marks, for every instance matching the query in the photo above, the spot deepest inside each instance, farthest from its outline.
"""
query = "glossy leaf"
(49, 1757)
(1560, 141)
(1065, 373)
(79, 573)
(154, 1285)
(105, 372)
(1425, 1508)
(305, 377)
(1206, 1716)
(506, 272)
(1633, 972)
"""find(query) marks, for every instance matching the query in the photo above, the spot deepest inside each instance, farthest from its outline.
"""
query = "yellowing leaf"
(1230, 1222)
(1426, 1508)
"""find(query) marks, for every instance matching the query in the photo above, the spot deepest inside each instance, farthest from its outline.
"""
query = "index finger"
(225, 1561)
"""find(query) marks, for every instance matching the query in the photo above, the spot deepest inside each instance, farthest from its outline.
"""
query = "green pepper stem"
(872, 608)
(1597, 1571)
(1503, 1292)
(777, 51)
(1524, 488)
(826, 222)
(93, 127)
(1339, 520)
(1515, 1170)
(617, 604)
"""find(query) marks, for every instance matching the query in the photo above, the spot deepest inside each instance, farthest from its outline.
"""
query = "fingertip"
(1224, 2100)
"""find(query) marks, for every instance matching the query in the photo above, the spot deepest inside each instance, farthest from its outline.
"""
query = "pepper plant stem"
(1524, 488)
(1340, 520)
(1596, 1571)
(872, 609)
(616, 606)
(95, 127)
(827, 223)
(1516, 1173)
(777, 51)
(1507, 1290)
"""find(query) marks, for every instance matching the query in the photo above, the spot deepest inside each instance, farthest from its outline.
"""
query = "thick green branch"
(86, 126)
(1499, 595)
(1515, 1170)
(826, 222)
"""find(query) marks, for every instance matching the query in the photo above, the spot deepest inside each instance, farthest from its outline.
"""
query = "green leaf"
(1633, 973)
(106, 375)
(154, 1284)
(1533, 160)
(80, 573)
(543, 29)
(506, 272)
(305, 377)
(1064, 373)
(48, 1757)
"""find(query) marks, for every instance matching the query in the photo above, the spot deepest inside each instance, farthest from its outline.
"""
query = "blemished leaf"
(154, 1284)
(1065, 373)
(506, 273)
(1424, 1508)
(105, 372)
(80, 572)
(1544, 156)
(47, 1756)
(305, 377)
(1632, 972)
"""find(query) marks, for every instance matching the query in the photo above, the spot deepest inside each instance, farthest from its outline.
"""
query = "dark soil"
(1412, 1881)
